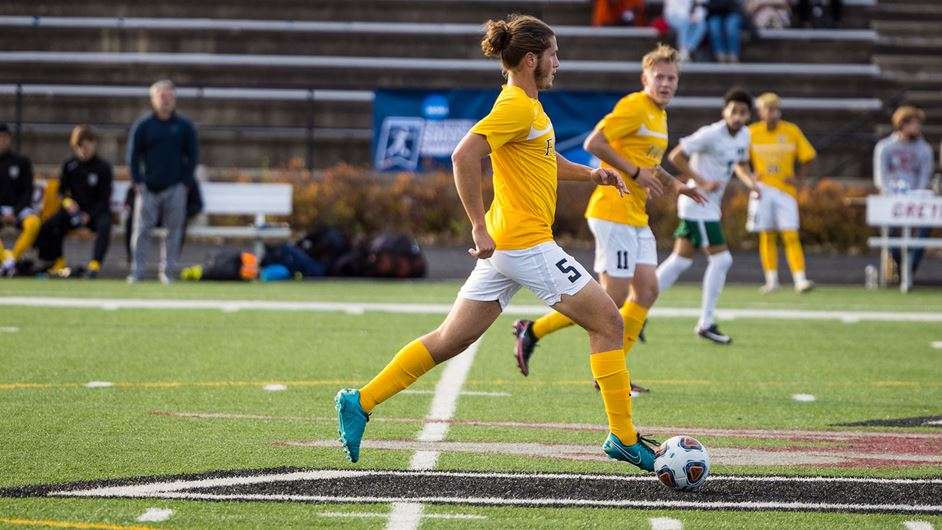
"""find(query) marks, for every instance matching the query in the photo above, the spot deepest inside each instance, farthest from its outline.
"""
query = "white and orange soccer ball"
(682, 463)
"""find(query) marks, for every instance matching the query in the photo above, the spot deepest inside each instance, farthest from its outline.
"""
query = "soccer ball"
(682, 463)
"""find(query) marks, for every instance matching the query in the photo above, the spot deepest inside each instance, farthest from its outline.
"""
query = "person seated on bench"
(85, 188)
(16, 198)
(903, 163)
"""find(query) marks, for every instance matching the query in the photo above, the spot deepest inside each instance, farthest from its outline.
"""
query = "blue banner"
(417, 130)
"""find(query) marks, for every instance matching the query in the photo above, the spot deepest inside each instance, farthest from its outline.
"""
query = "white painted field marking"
(155, 515)
(591, 427)
(735, 456)
(230, 309)
(665, 523)
(371, 515)
(9, 329)
(937, 344)
(439, 309)
(918, 525)
(408, 515)
(805, 398)
(463, 393)
(933, 422)
(99, 384)
(274, 388)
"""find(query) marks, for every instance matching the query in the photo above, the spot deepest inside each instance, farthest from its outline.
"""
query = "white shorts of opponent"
(619, 247)
(546, 270)
(774, 210)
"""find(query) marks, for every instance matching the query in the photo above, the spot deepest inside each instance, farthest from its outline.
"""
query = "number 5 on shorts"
(566, 269)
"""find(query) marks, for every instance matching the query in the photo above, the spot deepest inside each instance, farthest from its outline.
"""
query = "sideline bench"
(226, 198)
(905, 212)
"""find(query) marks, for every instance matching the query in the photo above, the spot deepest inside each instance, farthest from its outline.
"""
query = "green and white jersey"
(713, 152)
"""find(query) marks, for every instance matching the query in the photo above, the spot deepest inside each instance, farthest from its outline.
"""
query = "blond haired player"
(513, 243)
(777, 146)
(631, 139)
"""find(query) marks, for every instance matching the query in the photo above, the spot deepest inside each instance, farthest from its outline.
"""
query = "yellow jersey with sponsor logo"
(637, 129)
(523, 156)
(774, 152)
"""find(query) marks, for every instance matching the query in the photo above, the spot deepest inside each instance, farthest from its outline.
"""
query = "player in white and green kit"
(709, 157)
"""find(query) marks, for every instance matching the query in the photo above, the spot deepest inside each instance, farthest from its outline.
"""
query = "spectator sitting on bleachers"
(724, 18)
(688, 20)
(903, 162)
(618, 13)
(85, 188)
(16, 198)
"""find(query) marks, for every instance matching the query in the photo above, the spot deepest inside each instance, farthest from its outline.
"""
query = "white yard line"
(918, 525)
(665, 523)
(439, 309)
(408, 515)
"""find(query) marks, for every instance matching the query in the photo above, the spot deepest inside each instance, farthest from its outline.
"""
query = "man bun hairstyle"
(513, 38)
(739, 96)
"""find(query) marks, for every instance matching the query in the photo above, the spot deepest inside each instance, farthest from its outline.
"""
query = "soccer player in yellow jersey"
(777, 145)
(513, 244)
(631, 139)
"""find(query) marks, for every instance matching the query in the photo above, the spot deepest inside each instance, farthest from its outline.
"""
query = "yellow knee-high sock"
(550, 322)
(409, 364)
(31, 224)
(610, 371)
(634, 316)
(793, 252)
(768, 252)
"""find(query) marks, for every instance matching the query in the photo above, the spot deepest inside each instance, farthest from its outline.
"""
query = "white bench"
(225, 198)
(905, 212)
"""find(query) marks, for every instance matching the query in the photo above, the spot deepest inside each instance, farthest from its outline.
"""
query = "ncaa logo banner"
(417, 130)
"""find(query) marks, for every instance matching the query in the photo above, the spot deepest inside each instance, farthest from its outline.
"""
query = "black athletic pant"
(53, 232)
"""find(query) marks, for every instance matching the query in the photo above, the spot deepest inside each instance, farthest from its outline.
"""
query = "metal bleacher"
(294, 80)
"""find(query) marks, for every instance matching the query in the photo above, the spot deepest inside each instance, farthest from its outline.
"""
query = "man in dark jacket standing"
(85, 188)
(164, 143)
(16, 200)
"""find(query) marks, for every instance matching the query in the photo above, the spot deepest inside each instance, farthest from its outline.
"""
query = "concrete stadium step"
(930, 100)
(474, 11)
(388, 39)
(813, 80)
(857, 14)
(914, 10)
(906, 69)
(921, 46)
(913, 28)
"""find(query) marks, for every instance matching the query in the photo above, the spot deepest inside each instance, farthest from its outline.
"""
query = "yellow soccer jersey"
(773, 153)
(523, 156)
(637, 129)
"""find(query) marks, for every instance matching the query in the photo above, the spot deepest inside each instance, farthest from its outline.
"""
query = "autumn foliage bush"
(427, 205)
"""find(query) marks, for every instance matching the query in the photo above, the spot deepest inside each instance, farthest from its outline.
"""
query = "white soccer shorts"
(775, 210)
(620, 247)
(546, 270)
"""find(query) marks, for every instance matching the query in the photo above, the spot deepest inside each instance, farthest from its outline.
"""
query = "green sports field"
(237, 380)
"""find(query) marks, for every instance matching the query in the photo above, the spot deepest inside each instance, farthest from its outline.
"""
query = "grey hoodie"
(900, 166)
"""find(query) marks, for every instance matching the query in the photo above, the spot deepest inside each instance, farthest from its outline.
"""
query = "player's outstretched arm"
(598, 145)
(467, 165)
(566, 170)
(742, 172)
(681, 161)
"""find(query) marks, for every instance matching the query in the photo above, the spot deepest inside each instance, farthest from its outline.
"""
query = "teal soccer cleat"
(351, 421)
(639, 454)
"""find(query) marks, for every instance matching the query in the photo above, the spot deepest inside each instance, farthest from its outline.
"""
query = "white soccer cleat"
(769, 288)
(804, 286)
